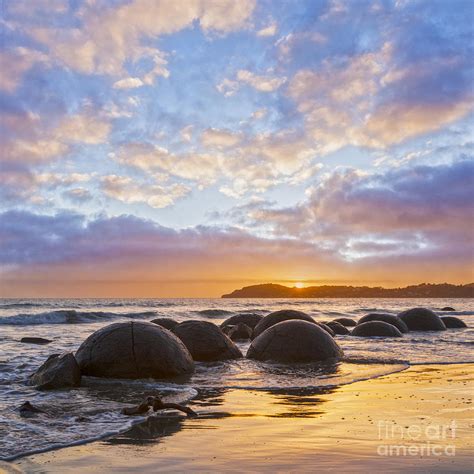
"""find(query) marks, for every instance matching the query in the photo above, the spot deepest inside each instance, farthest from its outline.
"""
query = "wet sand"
(418, 420)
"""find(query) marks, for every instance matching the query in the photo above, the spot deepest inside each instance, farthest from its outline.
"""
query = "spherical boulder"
(348, 322)
(376, 329)
(134, 350)
(58, 371)
(294, 341)
(238, 332)
(249, 319)
(386, 318)
(278, 317)
(453, 323)
(422, 319)
(166, 323)
(326, 328)
(206, 341)
(338, 328)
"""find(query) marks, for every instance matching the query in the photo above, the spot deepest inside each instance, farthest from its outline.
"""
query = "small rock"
(452, 322)
(35, 340)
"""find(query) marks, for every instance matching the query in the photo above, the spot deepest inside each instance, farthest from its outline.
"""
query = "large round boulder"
(278, 317)
(167, 323)
(376, 329)
(249, 319)
(453, 323)
(386, 318)
(338, 328)
(238, 332)
(206, 341)
(294, 341)
(134, 350)
(422, 319)
(58, 371)
(348, 322)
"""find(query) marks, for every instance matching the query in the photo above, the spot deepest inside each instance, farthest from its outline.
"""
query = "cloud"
(261, 83)
(128, 83)
(78, 195)
(270, 30)
(424, 208)
(109, 36)
(15, 62)
(125, 189)
(216, 138)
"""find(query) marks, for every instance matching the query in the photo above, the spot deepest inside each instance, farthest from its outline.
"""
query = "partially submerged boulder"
(338, 328)
(58, 371)
(35, 340)
(376, 329)
(453, 323)
(134, 350)
(166, 323)
(386, 318)
(294, 341)
(238, 332)
(347, 322)
(447, 308)
(422, 319)
(278, 317)
(249, 319)
(206, 341)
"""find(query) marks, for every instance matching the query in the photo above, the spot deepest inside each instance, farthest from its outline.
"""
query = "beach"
(351, 428)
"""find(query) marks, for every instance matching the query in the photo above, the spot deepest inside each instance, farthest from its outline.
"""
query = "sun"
(299, 284)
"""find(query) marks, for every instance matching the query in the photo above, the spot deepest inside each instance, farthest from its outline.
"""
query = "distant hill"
(424, 290)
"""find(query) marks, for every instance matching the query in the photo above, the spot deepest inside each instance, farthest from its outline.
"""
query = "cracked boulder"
(134, 350)
(278, 317)
(294, 341)
(206, 341)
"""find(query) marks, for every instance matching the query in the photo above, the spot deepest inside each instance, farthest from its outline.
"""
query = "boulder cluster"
(165, 348)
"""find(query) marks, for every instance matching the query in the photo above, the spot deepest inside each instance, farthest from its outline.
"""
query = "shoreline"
(335, 429)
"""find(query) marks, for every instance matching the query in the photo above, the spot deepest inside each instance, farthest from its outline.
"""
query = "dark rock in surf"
(35, 340)
(447, 308)
(453, 323)
(134, 350)
(294, 341)
(376, 329)
(166, 323)
(278, 317)
(249, 319)
(58, 371)
(27, 409)
(206, 341)
(338, 328)
(238, 332)
(386, 318)
(422, 319)
(347, 322)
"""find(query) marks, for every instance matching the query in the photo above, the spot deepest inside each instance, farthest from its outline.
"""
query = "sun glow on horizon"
(299, 284)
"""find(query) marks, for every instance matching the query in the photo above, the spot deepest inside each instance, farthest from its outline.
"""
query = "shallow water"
(69, 322)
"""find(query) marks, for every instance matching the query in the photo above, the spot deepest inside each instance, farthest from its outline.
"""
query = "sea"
(93, 411)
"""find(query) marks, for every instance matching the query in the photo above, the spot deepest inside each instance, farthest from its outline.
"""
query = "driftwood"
(157, 404)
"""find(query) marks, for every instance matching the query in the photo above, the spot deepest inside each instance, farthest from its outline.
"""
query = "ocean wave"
(69, 316)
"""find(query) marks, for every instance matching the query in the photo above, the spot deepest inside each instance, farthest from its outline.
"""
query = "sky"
(163, 148)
